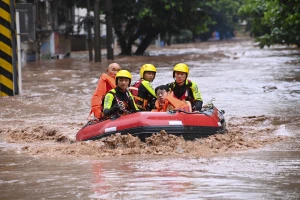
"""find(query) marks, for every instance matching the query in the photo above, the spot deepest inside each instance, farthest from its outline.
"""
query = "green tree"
(224, 16)
(273, 21)
(145, 19)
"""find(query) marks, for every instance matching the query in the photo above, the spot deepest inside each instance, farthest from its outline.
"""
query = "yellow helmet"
(147, 68)
(123, 73)
(181, 67)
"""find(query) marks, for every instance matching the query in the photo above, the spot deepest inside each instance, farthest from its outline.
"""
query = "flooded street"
(259, 157)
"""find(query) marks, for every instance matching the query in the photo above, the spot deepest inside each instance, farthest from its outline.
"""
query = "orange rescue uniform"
(172, 103)
(105, 84)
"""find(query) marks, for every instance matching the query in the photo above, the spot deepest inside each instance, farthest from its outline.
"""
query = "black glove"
(152, 103)
(115, 108)
(198, 105)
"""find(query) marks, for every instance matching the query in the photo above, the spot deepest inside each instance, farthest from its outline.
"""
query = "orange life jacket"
(105, 84)
(175, 103)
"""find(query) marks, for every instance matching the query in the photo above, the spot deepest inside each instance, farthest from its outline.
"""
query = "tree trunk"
(122, 42)
(146, 42)
(89, 30)
(169, 38)
(109, 33)
(97, 31)
(126, 46)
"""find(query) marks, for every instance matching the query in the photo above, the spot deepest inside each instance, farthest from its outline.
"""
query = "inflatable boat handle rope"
(196, 112)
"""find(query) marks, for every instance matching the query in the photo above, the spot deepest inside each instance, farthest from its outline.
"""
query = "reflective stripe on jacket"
(189, 91)
(114, 96)
(143, 94)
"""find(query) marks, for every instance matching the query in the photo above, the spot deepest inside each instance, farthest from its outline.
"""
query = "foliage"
(273, 21)
(224, 16)
(145, 19)
(184, 36)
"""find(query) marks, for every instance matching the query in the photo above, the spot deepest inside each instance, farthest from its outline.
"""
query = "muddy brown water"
(259, 157)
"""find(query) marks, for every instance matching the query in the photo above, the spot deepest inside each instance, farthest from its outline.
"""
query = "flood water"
(259, 157)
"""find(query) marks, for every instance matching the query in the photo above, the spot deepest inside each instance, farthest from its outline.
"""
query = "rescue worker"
(142, 90)
(106, 83)
(165, 101)
(184, 89)
(119, 100)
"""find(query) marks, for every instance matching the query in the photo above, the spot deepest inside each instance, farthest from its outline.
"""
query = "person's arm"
(149, 88)
(131, 104)
(109, 108)
(198, 105)
(96, 100)
(197, 96)
(146, 86)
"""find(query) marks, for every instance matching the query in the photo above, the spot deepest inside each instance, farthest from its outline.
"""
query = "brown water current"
(259, 157)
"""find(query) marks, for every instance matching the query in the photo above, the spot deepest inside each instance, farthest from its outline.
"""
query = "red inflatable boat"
(144, 124)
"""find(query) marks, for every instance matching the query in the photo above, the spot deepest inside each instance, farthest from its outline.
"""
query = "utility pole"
(109, 34)
(97, 33)
(38, 32)
(89, 39)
